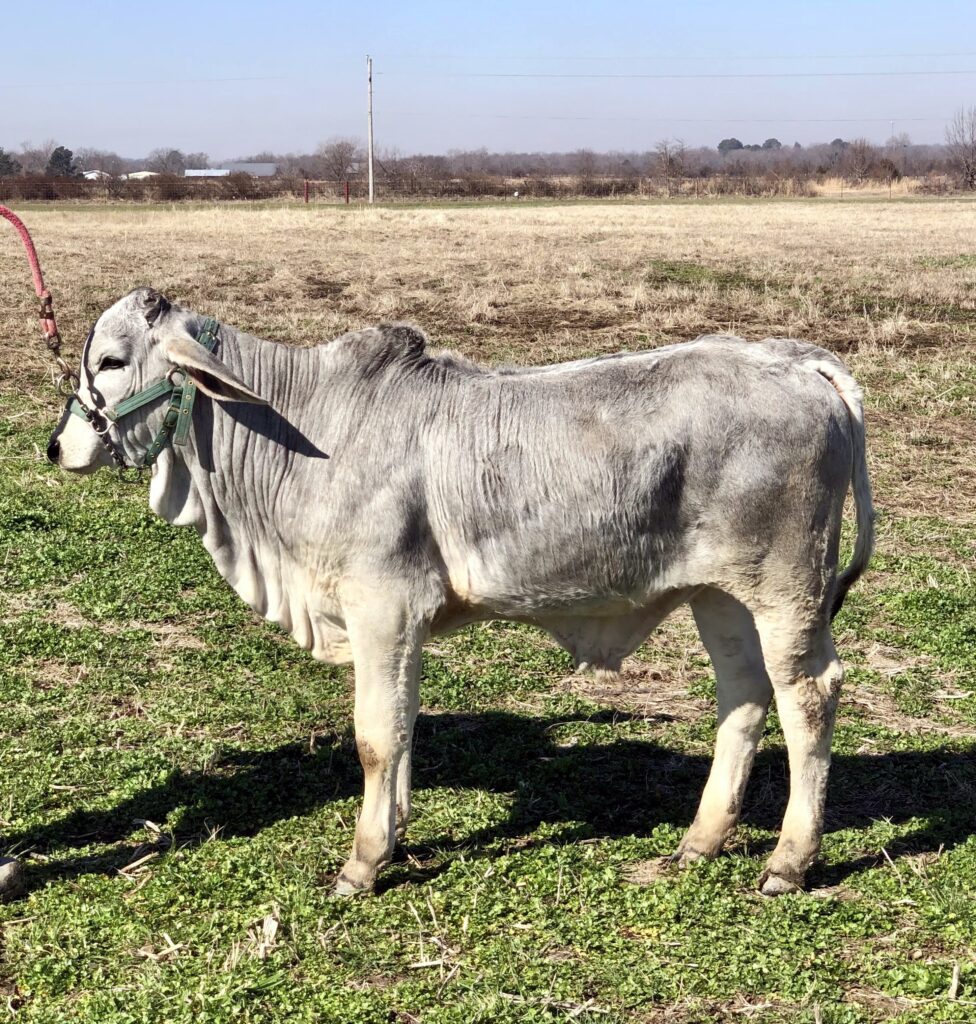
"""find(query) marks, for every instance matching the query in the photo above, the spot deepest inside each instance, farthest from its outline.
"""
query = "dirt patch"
(876, 1002)
(323, 288)
(834, 892)
(647, 872)
(67, 616)
(169, 635)
(656, 693)
(543, 319)
(699, 1011)
(879, 706)
(48, 675)
(924, 462)
(64, 615)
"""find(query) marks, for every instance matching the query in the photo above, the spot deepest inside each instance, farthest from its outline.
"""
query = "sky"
(234, 78)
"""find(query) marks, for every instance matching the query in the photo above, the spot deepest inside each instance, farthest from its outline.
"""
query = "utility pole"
(369, 124)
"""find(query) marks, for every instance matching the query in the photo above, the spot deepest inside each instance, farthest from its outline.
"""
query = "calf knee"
(369, 757)
(379, 753)
(817, 695)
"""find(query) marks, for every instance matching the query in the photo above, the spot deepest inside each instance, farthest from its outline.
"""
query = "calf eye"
(110, 363)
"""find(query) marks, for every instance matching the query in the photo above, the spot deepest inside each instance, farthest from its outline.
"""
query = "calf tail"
(845, 385)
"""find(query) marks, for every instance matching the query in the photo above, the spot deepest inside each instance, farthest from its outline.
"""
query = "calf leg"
(403, 781)
(386, 645)
(743, 689)
(806, 676)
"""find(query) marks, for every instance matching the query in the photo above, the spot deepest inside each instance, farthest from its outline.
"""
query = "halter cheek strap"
(179, 413)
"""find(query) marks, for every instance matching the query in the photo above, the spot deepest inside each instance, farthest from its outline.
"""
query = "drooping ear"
(154, 305)
(207, 371)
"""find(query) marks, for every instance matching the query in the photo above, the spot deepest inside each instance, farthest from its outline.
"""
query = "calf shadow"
(627, 787)
(620, 788)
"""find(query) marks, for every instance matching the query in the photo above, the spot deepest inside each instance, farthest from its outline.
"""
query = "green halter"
(179, 414)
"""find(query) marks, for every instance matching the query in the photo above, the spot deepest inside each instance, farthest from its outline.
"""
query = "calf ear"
(154, 305)
(207, 371)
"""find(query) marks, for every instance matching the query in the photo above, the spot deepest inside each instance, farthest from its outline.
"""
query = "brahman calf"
(367, 493)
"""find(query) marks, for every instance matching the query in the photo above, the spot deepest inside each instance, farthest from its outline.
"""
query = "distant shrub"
(170, 188)
(239, 185)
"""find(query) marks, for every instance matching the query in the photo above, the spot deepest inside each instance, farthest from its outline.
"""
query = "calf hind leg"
(743, 689)
(405, 767)
(806, 676)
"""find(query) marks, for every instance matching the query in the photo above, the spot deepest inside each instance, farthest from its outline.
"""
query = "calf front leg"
(386, 645)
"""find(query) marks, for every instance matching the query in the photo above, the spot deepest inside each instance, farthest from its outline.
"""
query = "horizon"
(217, 162)
(453, 80)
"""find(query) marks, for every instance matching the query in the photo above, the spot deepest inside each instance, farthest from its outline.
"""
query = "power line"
(534, 58)
(658, 77)
(40, 84)
(674, 120)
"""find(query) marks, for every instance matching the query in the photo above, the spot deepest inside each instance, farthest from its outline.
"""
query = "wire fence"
(407, 187)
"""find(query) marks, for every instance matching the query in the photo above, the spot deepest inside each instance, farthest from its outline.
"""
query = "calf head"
(142, 339)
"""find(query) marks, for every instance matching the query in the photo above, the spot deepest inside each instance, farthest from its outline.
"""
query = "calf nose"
(54, 450)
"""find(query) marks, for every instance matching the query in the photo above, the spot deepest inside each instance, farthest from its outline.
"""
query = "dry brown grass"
(891, 285)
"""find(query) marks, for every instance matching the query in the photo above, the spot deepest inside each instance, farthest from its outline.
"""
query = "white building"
(256, 170)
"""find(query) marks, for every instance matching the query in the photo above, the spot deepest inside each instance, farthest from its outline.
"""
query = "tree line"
(343, 159)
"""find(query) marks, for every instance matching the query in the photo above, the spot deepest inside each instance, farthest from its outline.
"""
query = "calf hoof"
(13, 879)
(685, 858)
(355, 879)
(345, 887)
(702, 846)
(773, 884)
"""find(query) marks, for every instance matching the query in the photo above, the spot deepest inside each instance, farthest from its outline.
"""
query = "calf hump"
(389, 345)
(404, 339)
(395, 347)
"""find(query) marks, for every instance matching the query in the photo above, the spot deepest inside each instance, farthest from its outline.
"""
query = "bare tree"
(859, 155)
(669, 155)
(33, 159)
(166, 161)
(197, 160)
(338, 158)
(960, 136)
(100, 160)
(585, 164)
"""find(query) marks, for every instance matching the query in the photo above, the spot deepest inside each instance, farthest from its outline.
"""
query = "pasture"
(182, 782)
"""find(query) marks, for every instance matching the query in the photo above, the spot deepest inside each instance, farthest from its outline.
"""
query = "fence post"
(306, 190)
(347, 193)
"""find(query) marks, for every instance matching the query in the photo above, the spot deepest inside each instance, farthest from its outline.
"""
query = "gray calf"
(377, 493)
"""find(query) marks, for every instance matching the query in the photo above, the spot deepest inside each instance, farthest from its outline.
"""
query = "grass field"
(181, 781)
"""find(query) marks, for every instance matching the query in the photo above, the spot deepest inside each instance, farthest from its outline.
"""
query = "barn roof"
(259, 170)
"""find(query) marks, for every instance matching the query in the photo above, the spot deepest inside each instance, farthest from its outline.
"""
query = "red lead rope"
(68, 379)
(48, 323)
